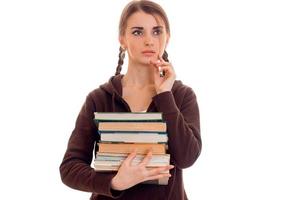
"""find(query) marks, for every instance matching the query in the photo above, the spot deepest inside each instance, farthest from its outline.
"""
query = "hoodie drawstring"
(113, 102)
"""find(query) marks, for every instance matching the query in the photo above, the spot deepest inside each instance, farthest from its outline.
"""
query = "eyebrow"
(141, 28)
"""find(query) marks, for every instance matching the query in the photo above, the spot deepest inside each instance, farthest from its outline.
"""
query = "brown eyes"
(138, 32)
(157, 32)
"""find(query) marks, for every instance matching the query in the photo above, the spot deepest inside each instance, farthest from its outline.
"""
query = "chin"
(145, 61)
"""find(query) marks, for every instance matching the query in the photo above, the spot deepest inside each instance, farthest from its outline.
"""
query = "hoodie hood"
(114, 85)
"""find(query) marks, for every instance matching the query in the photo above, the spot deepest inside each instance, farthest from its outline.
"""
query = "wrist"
(158, 91)
(114, 190)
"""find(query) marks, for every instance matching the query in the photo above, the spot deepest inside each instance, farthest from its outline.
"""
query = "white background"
(240, 57)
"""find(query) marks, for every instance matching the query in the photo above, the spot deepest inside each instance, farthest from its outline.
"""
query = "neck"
(139, 76)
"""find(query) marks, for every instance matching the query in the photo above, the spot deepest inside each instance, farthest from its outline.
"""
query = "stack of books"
(123, 132)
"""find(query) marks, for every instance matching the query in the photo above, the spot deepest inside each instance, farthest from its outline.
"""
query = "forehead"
(142, 19)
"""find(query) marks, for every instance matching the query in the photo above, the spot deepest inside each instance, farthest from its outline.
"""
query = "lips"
(148, 51)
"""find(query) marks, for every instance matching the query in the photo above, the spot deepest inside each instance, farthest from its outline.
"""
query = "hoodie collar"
(114, 88)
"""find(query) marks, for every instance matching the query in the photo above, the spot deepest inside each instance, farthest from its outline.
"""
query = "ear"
(167, 40)
(122, 42)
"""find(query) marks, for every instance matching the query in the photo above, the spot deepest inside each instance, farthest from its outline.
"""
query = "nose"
(148, 40)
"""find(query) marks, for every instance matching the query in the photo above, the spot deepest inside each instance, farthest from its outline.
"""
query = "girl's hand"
(129, 175)
(166, 82)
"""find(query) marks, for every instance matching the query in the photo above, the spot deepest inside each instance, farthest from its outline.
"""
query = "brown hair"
(148, 7)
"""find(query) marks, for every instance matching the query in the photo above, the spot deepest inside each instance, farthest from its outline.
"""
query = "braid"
(165, 56)
(121, 60)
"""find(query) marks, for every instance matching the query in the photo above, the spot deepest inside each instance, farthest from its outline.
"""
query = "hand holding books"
(129, 175)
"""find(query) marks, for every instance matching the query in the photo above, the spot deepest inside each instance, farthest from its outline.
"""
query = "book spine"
(129, 148)
(128, 120)
(134, 127)
(133, 132)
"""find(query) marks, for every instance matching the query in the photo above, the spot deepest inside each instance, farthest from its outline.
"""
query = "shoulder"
(181, 90)
(182, 93)
(98, 93)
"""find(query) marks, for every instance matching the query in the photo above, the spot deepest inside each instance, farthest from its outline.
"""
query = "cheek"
(132, 48)
(162, 45)
(162, 42)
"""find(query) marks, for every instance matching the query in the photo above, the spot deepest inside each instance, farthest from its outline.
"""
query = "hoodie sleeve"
(183, 126)
(75, 169)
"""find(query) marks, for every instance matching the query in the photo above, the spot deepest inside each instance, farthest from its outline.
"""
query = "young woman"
(149, 85)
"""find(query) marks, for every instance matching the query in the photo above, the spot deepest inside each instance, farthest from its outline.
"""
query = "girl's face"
(145, 37)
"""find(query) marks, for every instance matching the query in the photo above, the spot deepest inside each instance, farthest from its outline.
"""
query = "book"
(111, 168)
(134, 137)
(161, 181)
(135, 161)
(119, 157)
(128, 116)
(142, 148)
(124, 155)
(133, 126)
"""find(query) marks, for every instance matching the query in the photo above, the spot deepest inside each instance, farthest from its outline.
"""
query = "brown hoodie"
(180, 111)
